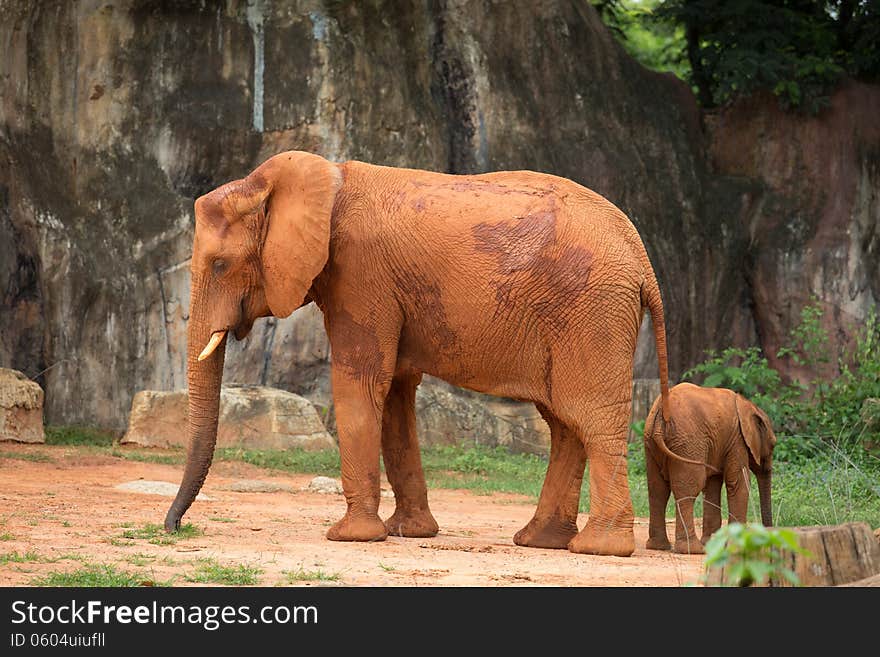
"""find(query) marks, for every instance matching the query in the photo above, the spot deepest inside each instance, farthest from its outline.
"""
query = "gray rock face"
(115, 117)
(21, 408)
(250, 417)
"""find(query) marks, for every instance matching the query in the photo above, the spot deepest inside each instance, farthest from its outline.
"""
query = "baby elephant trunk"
(764, 479)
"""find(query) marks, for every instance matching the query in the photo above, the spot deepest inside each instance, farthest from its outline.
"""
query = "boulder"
(255, 417)
(21, 408)
(446, 415)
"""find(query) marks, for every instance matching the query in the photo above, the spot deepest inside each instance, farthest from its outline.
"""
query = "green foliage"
(209, 571)
(323, 462)
(16, 557)
(837, 484)
(638, 428)
(157, 535)
(752, 554)
(797, 50)
(73, 435)
(96, 575)
(657, 45)
(804, 414)
(38, 457)
(301, 575)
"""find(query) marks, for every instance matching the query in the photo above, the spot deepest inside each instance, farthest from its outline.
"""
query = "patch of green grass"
(484, 470)
(15, 557)
(208, 571)
(141, 456)
(157, 535)
(301, 575)
(218, 519)
(323, 462)
(387, 569)
(38, 457)
(140, 559)
(96, 575)
(837, 485)
(74, 435)
(7, 537)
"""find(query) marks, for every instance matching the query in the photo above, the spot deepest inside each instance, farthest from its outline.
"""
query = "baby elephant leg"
(685, 488)
(658, 497)
(711, 507)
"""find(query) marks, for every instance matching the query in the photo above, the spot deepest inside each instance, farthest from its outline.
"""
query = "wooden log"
(838, 555)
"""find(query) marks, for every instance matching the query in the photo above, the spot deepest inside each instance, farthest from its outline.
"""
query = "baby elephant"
(712, 436)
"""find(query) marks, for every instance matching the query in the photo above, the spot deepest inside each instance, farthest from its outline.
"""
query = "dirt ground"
(69, 508)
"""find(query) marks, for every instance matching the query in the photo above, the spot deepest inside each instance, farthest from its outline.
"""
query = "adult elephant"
(517, 284)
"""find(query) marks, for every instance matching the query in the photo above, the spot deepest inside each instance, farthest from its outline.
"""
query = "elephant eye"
(219, 266)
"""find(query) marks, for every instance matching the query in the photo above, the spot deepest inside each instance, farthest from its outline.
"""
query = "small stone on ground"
(326, 485)
(257, 486)
(165, 488)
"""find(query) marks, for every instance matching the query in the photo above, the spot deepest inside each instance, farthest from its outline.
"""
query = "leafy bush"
(804, 413)
(752, 553)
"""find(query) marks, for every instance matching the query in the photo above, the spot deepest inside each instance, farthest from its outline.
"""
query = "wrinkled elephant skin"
(725, 435)
(516, 284)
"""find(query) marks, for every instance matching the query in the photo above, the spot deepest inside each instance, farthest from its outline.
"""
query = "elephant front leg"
(609, 529)
(555, 521)
(358, 421)
(403, 464)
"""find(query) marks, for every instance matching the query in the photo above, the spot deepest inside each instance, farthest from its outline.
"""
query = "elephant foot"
(412, 523)
(685, 546)
(358, 528)
(604, 540)
(658, 543)
(551, 534)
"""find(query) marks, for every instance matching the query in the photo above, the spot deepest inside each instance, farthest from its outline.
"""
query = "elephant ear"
(299, 190)
(756, 429)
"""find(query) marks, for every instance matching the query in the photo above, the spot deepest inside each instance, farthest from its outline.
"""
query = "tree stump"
(847, 554)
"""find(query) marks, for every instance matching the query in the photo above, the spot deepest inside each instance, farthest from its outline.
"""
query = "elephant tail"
(658, 428)
(652, 301)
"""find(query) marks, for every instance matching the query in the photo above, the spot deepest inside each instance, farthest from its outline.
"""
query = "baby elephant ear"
(756, 429)
(301, 191)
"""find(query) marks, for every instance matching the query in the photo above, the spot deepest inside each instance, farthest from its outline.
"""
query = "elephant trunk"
(764, 487)
(204, 379)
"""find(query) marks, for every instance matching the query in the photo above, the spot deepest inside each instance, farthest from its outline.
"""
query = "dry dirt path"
(69, 507)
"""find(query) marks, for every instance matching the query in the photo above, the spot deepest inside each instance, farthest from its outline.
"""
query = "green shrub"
(751, 554)
(805, 413)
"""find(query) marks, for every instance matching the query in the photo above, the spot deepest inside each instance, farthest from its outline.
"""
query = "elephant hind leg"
(711, 507)
(609, 529)
(658, 498)
(403, 464)
(686, 486)
(555, 521)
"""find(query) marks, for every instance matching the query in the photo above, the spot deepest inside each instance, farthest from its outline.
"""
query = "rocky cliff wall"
(115, 116)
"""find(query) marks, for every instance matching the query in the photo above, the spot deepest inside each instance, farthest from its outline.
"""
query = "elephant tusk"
(216, 338)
